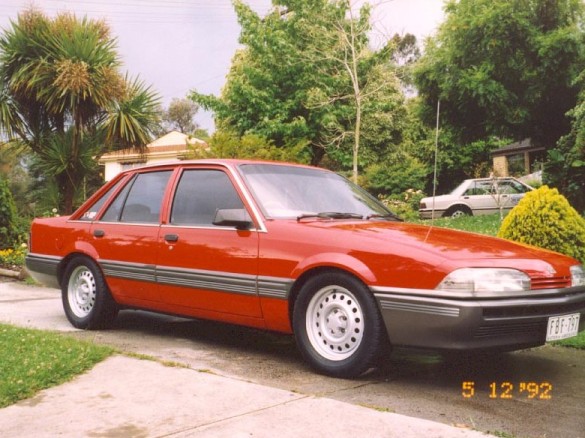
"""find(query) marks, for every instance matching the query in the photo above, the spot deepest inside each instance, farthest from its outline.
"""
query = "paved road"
(495, 398)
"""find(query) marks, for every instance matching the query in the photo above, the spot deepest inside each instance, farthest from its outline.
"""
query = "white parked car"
(475, 197)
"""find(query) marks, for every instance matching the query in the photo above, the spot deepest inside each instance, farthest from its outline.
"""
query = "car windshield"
(297, 192)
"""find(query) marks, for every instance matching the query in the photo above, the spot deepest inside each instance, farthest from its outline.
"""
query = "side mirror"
(233, 217)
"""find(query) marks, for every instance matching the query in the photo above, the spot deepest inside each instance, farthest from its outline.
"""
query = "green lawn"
(32, 360)
(576, 342)
(486, 224)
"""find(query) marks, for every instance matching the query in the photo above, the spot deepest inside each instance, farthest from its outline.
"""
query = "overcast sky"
(179, 45)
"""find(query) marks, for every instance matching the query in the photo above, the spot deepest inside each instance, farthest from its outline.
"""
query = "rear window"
(91, 213)
(140, 201)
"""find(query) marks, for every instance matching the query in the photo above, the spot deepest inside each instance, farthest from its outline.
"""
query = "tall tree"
(360, 81)
(504, 68)
(61, 91)
(565, 167)
(180, 116)
(305, 73)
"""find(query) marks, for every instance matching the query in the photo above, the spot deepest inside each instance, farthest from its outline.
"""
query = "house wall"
(113, 168)
(500, 166)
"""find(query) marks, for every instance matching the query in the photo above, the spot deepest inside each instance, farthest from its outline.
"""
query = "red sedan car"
(301, 250)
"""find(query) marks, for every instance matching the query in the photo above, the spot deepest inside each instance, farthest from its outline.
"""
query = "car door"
(479, 196)
(125, 238)
(207, 268)
(510, 192)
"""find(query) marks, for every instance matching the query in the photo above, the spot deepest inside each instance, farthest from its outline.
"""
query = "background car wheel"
(458, 211)
(87, 301)
(337, 325)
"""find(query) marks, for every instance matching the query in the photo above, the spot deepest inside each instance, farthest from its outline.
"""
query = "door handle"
(171, 237)
(99, 233)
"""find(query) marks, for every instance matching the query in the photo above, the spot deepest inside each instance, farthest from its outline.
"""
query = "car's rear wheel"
(87, 301)
(458, 211)
(337, 325)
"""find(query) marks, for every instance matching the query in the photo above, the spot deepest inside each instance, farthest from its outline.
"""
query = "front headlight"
(480, 280)
(577, 275)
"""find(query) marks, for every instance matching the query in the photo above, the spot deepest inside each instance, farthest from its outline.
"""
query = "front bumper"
(443, 324)
(430, 214)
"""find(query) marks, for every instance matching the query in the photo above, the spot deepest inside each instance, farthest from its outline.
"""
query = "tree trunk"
(67, 186)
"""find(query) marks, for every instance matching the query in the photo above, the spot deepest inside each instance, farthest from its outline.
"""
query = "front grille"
(504, 330)
(551, 283)
(539, 310)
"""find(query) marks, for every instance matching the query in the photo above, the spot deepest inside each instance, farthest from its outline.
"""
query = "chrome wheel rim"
(458, 213)
(335, 323)
(81, 291)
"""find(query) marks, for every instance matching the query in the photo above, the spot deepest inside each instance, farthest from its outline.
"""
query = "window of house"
(516, 165)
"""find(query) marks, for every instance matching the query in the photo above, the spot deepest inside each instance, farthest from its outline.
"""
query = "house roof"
(519, 146)
(168, 146)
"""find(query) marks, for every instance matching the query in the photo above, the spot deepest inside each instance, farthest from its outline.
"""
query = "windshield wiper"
(330, 215)
(389, 216)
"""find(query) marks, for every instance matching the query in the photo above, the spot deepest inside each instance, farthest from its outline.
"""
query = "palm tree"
(61, 92)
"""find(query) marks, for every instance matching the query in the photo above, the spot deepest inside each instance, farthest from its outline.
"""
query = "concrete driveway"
(414, 386)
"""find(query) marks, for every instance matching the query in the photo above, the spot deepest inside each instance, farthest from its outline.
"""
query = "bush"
(8, 216)
(13, 258)
(545, 218)
(395, 175)
(404, 205)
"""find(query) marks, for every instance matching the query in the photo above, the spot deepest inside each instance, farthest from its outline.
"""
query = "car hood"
(443, 250)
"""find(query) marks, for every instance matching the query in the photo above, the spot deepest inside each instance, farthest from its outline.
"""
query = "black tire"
(458, 211)
(86, 298)
(337, 325)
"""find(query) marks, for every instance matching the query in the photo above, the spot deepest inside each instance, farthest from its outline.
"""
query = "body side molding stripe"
(269, 287)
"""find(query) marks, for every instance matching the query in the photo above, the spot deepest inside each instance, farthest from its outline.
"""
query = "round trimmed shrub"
(544, 218)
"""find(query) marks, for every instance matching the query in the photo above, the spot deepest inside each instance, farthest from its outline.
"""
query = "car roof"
(491, 178)
(227, 162)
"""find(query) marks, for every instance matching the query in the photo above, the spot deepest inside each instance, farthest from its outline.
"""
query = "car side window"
(92, 211)
(200, 193)
(478, 188)
(140, 201)
(512, 187)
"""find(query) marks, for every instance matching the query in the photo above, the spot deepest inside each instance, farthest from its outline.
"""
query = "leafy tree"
(225, 144)
(60, 91)
(504, 68)
(360, 82)
(565, 167)
(405, 54)
(306, 73)
(180, 116)
(14, 166)
(399, 172)
(8, 216)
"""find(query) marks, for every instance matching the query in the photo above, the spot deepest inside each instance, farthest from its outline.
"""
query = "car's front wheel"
(86, 299)
(337, 325)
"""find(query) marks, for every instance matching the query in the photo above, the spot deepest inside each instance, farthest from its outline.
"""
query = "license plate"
(562, 327)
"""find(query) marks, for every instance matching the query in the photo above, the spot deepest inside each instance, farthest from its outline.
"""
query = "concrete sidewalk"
(126, 397)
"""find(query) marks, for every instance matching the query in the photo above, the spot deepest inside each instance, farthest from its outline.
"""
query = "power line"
(153, 11)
